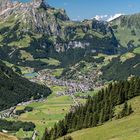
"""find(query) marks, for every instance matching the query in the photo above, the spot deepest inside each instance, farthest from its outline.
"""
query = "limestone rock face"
(37, 15)
(4, 4)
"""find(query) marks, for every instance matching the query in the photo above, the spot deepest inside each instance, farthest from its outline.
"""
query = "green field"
(86, 94)
(127, 128)
(137, 50)
(50, 61)
(46, 113)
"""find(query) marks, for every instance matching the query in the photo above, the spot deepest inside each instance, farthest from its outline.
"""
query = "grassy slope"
(126, 56)
(124, 35)
(6, 137)
(137, 50)
(127, 29)
(127, 128)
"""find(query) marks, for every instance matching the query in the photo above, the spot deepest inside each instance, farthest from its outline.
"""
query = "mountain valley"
(54, 70)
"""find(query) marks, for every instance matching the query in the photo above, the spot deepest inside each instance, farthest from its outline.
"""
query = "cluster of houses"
(86, 83)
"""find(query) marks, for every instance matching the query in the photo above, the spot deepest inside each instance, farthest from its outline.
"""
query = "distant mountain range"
(35, 30)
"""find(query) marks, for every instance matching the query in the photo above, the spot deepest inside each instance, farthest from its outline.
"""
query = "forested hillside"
(98, 109)
(15, 89)
(121, 68)
(115, 129)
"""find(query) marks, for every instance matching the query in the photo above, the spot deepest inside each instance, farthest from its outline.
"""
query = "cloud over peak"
(108, 17)
(112, 17)
(101, 17)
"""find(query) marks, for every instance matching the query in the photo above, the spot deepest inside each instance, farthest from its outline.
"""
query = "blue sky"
(86, 9)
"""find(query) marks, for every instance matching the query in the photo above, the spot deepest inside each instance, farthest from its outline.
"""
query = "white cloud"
(107, 17)
(112, 17)
(101, 17)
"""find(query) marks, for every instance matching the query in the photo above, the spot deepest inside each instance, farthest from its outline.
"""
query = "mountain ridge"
(48, 32)
(30, 33)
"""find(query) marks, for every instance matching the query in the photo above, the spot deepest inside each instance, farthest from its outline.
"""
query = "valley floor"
(127, 128)
(46, 113)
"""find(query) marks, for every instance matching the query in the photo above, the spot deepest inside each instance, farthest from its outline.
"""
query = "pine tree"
(126, 89)
(131, 88)
(55, 132)
(137, 86)
(46, 135)
(68, 138)
(125, 109)
(86, 120)
(101, 118)
(111, 111)
(94, 119)
(130, 110)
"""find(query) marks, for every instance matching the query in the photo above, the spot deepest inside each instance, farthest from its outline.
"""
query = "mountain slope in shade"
(15, 89)
(122, 67)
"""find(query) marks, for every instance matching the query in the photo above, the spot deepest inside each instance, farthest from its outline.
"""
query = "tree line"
(14, 126)
(98, 109)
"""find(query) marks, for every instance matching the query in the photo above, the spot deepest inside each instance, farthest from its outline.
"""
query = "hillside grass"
(57, 72)
(127, 128)
(50, 61)
(7, 137)
(107, 59)
(127, 56)
(22, 43)
(137, 50)
(125, 33)
(88, 93)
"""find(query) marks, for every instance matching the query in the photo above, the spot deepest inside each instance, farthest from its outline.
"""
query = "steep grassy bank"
(127, 128)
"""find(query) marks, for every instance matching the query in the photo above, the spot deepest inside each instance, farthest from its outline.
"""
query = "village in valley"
(71, 87)
(84, 84)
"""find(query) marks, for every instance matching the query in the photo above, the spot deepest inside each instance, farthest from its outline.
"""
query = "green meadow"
(46, 113)
(137, 50)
